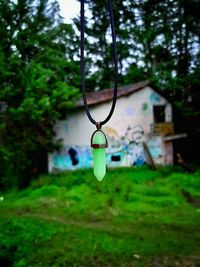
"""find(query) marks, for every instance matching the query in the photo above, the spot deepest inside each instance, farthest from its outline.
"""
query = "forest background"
(157, 40)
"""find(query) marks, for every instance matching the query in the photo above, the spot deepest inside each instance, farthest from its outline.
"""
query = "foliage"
(39, 70)
(135, 217)
(36, 77)
(165, 44)
(158, 40)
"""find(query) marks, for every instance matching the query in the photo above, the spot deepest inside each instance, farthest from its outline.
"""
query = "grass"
(134, 217)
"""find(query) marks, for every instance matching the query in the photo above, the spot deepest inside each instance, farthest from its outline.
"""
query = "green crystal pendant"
(99, 144)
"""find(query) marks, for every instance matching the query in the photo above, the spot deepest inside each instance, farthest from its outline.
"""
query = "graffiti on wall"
(155, 146)
(155, 98)
(72, 157)
(126, 150)
(145, 109)
(135, 137)
(129, 111)
(115, 150)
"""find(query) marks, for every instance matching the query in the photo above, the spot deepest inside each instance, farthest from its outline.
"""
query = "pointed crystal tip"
(99, 177)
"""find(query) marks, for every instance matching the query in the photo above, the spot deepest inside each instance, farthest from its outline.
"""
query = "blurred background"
(146, 211)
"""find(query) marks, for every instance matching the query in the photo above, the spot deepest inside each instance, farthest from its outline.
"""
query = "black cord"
(83, 65)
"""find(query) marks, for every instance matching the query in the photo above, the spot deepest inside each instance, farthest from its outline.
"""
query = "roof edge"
(106, 95)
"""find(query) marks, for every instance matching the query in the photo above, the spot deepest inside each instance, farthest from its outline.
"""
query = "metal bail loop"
(99, 140)
(98, 125)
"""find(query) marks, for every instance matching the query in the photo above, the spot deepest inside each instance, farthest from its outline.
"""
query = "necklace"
(98, 138)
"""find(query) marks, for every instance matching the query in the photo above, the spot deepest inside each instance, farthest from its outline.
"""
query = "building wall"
(126, 131)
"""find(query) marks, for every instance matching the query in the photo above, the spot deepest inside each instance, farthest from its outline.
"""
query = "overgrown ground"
(134, 217)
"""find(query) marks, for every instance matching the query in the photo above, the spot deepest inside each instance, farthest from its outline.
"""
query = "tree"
(98, 42)
(156, 39)
(38, 81)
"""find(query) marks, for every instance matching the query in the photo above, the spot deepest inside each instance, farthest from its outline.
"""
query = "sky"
(69, 9)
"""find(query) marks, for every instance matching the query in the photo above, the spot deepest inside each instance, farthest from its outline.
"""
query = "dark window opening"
(116, 158)
(159, 114)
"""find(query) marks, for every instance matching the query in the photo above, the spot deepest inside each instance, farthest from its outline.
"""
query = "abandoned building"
(141, 126)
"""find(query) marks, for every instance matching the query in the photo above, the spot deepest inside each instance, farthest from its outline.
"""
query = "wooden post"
(150, 158)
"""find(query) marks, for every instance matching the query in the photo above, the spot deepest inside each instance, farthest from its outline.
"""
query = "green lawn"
(134, 217)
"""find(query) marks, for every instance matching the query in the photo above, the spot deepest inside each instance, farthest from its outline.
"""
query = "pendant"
(99, 144)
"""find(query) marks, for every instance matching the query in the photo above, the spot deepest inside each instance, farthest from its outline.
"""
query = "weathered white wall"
(128, 128)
